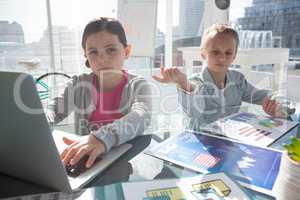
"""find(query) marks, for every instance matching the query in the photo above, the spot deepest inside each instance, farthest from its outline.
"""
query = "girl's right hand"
(174, 75)
(77, 149)
(171, 75)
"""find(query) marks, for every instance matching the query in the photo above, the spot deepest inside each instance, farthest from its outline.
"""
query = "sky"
(32, 14)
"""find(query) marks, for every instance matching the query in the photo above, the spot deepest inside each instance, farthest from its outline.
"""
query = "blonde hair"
(217, 29)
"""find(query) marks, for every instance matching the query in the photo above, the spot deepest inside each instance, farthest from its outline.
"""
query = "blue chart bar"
(243, 117)
(240, 119)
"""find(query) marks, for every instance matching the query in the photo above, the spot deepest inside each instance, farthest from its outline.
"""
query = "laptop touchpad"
(77, 169)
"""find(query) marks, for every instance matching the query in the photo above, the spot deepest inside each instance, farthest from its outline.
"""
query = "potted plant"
(287, 184)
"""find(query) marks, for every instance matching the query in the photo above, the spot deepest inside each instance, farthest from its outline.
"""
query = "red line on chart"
(249, 128)
(251, 132)
(245, 128)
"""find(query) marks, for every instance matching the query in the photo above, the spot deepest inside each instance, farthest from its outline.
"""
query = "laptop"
(27, 146)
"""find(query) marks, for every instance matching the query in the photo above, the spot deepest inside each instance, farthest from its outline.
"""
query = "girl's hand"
(86, 145)
(173, 75)
(170, 75)
(272, 107)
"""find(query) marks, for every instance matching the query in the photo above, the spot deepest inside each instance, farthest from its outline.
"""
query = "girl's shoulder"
(137, 83)
(82, 77)
(235, 75)
(134, 78)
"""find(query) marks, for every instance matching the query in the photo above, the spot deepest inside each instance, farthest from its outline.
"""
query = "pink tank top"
(107, 104)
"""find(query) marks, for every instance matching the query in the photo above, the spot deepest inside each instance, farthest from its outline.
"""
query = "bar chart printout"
(251, 128)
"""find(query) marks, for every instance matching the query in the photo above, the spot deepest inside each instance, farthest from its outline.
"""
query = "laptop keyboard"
(77, 169)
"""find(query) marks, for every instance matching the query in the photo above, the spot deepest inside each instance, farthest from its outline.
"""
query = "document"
(261, 130)
(211, 186)
(252, 166)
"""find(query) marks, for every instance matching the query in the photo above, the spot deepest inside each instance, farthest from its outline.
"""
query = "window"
(25, 35)
(22, 43)
(281, 19)
(297, 41)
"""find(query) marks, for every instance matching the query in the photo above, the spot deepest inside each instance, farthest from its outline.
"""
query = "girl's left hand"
(272, 107)
(86, 145)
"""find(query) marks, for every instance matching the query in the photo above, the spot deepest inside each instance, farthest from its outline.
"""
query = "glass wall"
(272, 24)
(22, 30)
(25, 42)
(262, 25)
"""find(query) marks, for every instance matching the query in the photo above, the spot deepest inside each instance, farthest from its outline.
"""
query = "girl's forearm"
(186, 85)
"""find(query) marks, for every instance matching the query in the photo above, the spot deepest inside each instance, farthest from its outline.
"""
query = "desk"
(132, 166)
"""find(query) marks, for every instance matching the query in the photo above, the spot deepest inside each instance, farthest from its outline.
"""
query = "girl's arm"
(120, 131)
(201, 102)
(134, 122)
(174, 75)
(61, 106)
(262, 97)
(251, 94)
(189, 98)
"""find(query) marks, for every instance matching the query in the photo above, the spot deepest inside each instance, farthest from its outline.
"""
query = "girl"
(111, 106)
(217, 91)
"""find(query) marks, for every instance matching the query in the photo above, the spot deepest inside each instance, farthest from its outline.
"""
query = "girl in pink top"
(119, 99)
(107, 104)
